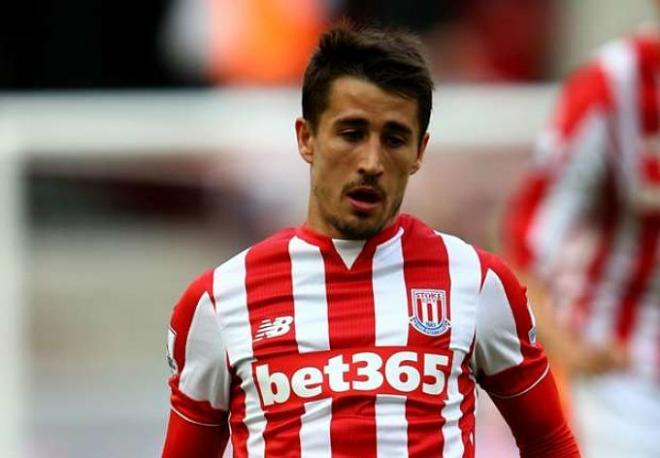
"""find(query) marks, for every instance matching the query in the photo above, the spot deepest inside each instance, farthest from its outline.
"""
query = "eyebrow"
(361, 122)
(398, 128)
(351, 122)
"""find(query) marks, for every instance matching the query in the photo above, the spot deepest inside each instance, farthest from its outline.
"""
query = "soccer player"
(585, 228)
(362, 332)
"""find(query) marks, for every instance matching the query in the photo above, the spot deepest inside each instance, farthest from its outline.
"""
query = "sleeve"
(568, 173)
(190, 440)
(200, 378)
(538, 423)
(507, 359)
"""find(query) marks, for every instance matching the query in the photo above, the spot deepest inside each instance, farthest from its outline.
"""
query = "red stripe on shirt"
(351, 324)
(270, 297)
(467, 388)
(609, 224)
(184, 311)
(587, 89)
(422, 271)
(239, 431)
(641, 274)
(649, 62)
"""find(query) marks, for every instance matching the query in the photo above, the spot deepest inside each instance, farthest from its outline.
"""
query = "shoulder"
(465, 255)
(493, 264)
(196, 299)
(588, 82)
(620, 61)
(230, 270)
(499, 282)
(419, 231)
(185, 307)
(272, 248)
(493, 269)
(585, 89)
(631, 49)
(276, 243)
(501, 295)
(461, 255)
(614, 62)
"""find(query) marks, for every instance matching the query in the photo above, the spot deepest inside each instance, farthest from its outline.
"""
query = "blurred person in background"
(266, 42)
(251, 42)
(472, 40)
(362, 332)
(585, 228)
(70, 44)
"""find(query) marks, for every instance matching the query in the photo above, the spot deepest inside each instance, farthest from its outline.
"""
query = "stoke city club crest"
(429, 311)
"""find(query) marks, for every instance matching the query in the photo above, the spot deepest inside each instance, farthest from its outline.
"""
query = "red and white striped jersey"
(314, 347)
(587, 218)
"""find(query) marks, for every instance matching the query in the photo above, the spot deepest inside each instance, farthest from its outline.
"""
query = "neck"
(317, 223)
(336, 229)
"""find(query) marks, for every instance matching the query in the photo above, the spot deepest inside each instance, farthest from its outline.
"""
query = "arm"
(574, 355)
(200, 380)
(511, 366)
(186, 439)
(537, 422)
(566, 183)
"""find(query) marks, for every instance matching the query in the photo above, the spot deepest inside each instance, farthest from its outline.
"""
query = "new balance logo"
(273, 328)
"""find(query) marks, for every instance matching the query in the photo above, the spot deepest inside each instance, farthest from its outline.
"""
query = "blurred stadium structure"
(110, 202)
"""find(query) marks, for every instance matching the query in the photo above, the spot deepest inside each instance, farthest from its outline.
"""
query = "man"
(361, 332)
(585, 227)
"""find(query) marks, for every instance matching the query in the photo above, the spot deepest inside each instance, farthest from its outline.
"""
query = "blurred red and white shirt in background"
(587, 217)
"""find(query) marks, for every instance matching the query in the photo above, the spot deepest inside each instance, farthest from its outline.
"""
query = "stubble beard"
(356, 226)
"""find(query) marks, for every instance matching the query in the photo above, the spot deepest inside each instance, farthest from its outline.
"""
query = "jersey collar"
(315, 238)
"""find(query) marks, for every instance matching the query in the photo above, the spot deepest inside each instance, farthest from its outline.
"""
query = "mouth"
(364, 199)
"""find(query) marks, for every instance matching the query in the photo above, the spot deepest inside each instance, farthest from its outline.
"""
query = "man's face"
(365, 147)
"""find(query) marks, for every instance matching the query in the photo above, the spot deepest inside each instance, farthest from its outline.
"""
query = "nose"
(371, 158)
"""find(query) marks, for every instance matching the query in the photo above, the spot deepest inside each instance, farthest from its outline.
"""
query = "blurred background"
(142, 143)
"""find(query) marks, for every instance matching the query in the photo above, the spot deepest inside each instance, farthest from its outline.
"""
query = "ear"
(305, 138)
(420, 153)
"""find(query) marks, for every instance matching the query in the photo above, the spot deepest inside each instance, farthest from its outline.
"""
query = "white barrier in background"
(12, 312)
(256, 122)
(83, 123)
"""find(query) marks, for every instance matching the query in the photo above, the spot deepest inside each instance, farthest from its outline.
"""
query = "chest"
(374, 304)
(383, 327)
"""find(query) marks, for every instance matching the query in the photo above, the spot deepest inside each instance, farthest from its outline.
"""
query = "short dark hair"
(391, 59)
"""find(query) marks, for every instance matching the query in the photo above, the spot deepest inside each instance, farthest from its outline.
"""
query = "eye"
(352, 135)
(394, 141)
